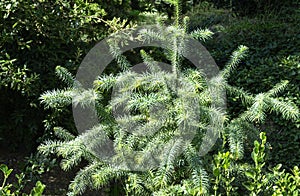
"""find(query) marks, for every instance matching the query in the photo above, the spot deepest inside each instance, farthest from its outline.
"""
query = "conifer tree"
(181, 169)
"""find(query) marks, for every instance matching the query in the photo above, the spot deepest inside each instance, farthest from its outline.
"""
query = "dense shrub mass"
(37, 36)
(273, 42)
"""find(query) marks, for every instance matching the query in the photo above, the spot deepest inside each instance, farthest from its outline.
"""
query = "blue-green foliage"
(177, 173)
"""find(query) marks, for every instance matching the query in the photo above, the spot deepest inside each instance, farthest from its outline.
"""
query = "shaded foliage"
(37, 36)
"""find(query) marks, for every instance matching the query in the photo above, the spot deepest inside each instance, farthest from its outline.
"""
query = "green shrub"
(273, 56)
(273, 183)
(37, 36)
(6, 189)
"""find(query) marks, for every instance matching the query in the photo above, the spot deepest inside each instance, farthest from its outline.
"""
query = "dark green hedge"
(274, 42)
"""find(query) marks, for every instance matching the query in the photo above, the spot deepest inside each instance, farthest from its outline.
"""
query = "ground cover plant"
(273, 55)
(6, 188)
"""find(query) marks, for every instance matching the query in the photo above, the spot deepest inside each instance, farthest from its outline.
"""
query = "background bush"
(273, 41)
(38, 35)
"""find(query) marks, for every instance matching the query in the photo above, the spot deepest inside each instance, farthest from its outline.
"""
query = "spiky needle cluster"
(142, 132)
